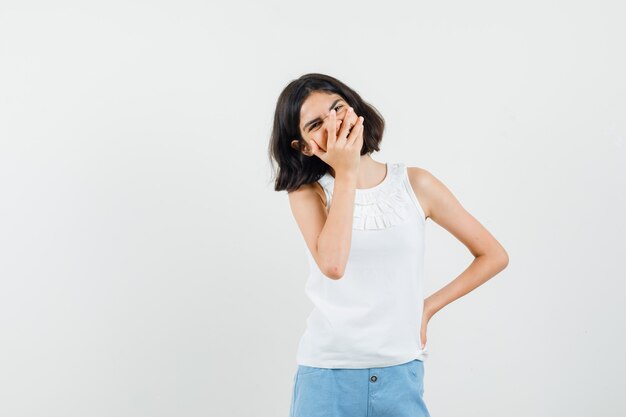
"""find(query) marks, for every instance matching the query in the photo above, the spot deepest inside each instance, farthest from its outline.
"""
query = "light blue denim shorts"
(396, 391)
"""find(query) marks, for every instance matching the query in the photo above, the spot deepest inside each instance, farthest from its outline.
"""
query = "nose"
(338, 122)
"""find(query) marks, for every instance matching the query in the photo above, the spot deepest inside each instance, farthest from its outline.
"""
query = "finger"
(353, 117)
(354, 134)
(360, 138)
(345, 125)
(357, 131)
(332, 129)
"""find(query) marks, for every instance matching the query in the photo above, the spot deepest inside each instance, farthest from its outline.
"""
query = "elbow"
(332, 268)
(503, 259)
(498, 260)
(333, 272)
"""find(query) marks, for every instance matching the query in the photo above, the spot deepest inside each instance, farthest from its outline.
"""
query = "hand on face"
(343, 117)
(343, 148)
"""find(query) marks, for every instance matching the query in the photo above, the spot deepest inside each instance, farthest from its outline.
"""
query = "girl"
(363, 221)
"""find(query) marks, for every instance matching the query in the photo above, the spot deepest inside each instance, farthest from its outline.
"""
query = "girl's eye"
(314, 125)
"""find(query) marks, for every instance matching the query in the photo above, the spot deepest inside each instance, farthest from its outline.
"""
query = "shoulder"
(435, 197)
(419, 176)
(307, 191)
(424, 185)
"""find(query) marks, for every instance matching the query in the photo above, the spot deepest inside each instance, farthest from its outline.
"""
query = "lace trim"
(380, 207)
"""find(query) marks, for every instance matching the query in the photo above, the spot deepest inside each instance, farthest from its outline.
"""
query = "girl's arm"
(335, 239)
(442, 207)
(327, 235)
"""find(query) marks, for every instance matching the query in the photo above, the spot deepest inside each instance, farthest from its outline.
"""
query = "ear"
(296, 145)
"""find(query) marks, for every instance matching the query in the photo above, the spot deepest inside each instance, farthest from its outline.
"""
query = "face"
(314, 118)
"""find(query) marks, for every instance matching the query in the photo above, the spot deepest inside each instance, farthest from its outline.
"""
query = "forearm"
(335, 239)
(482, 268)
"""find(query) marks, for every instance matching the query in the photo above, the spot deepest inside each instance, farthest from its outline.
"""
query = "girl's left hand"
(426, 315)
(425, 319)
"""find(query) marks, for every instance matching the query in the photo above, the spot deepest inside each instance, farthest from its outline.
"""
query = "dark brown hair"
(295, 168)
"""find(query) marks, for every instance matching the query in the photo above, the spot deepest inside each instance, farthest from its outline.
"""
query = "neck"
(369, 171)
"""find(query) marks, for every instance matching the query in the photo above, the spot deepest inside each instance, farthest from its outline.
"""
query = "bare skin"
(438, 202)
(333, 133)
(441, 206)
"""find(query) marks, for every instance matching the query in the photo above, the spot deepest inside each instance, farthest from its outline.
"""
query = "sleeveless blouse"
(371, 317)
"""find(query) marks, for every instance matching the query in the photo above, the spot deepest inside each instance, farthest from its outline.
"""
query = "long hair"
(295, 168)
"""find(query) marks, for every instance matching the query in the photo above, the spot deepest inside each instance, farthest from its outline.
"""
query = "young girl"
(363, 222)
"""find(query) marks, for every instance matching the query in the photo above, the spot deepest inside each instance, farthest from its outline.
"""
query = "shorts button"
(373, 378)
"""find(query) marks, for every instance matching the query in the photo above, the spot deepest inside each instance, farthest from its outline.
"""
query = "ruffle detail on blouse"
(380, 207)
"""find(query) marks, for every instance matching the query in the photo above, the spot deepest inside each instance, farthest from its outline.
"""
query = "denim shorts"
(396, 391)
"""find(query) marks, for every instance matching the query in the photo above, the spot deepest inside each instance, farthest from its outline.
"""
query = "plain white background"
(148, 268)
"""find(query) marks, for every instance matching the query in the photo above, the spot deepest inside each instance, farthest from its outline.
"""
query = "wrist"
(346, 178)
(428, 309)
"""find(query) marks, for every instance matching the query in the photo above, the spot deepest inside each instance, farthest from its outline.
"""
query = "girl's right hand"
(343, 150)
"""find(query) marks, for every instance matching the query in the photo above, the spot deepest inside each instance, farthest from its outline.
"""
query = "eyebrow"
(317, 119)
